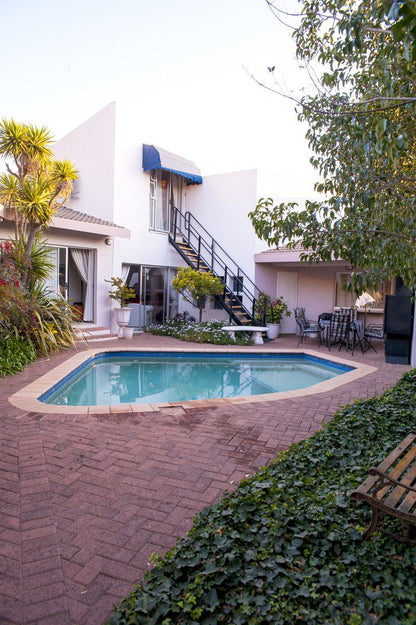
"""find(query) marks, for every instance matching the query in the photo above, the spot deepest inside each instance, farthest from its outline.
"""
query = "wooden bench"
(390, 490)
(256, 332)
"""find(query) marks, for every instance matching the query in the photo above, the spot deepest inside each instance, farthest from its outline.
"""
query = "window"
(345, 299)
(165, 194)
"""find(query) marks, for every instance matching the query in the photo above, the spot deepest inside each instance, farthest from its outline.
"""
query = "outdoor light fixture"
(364, 299)
(108, 241)
(362, 302)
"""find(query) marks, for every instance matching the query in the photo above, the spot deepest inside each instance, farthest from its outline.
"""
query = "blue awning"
(156, 158)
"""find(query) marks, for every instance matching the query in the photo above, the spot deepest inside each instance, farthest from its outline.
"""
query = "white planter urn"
(272, 330)
(122, 318)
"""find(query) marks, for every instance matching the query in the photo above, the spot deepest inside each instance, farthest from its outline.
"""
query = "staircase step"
(92, 332)
(90, 329)
(233, 304)
(95, 338)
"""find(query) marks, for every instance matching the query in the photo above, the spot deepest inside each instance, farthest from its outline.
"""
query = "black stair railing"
(199, 248)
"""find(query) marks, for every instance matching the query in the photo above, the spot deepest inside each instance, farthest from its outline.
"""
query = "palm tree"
(36, 184)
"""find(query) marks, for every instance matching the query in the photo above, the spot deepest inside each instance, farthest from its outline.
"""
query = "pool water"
(148, 377)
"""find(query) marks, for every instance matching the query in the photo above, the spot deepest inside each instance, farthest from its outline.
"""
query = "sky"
(183, 65)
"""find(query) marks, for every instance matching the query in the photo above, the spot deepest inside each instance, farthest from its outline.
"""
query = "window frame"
(173, 194)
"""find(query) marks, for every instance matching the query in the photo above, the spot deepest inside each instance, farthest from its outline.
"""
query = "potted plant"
(275, 310)
(121, 293)
(260, 308)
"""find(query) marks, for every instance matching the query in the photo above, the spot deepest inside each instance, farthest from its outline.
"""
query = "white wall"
(132, 198)
(90, 147)
(108, 151)
(222, 204)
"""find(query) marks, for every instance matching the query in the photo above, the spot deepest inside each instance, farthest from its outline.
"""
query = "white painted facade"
(107, 150)
(114, 189)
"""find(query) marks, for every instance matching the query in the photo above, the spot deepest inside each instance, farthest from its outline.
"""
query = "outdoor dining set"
(339, 327)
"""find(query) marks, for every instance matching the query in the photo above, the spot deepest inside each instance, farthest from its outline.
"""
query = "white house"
(137, 208)
(126, 180)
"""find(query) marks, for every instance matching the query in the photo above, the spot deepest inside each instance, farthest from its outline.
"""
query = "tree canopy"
(362, 132)
(35, 184)
(197, 286)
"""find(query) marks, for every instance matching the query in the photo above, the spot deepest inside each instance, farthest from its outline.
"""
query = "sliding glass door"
(72, 277)
(58, 278)
(156, 300)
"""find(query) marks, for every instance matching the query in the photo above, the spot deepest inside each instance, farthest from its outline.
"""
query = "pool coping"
(27, 398)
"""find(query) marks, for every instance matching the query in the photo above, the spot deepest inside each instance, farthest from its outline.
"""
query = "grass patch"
(286, 547)
(203, 332)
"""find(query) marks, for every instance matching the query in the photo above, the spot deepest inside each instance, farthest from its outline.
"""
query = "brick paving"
(85, 500)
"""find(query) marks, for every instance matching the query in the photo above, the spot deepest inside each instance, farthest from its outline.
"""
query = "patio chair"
(307, 328)
(372, 331)
(339, 329)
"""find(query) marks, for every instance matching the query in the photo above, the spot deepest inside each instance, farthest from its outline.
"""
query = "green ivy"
(286, 547)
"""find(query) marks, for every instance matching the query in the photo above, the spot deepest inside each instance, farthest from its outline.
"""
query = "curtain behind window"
(84, 262)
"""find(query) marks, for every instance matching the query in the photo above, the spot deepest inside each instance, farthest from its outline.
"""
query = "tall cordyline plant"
(35, 184)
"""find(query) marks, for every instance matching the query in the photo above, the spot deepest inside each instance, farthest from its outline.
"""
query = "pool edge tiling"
(27, 398)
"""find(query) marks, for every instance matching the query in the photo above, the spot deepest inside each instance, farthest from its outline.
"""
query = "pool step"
(91, 332)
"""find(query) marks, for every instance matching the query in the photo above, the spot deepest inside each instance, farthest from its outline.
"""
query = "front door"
(287, 287)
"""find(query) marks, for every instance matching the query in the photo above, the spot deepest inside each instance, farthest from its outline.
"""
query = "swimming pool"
(126, 377)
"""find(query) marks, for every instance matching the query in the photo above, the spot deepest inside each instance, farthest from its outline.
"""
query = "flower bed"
(286, 546)
(186, 329)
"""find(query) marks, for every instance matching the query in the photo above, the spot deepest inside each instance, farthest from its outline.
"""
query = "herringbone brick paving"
(85, 500)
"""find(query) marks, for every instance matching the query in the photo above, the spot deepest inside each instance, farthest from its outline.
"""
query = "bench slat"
(385, 465)
(408, 504)
(393, 499)
(396, 453)
(401, 474)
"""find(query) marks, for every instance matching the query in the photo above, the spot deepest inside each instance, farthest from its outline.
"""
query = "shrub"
(27, 307)
(202, 332)
(286, 547)
(121, 292)
(197, 287)
(15, 354)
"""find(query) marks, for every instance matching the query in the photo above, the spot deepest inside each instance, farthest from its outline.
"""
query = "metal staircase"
(200, 250)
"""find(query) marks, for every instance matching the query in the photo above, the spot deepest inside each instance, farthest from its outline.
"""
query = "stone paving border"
(86, 498)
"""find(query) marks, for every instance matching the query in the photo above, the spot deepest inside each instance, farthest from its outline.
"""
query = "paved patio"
(85, 499)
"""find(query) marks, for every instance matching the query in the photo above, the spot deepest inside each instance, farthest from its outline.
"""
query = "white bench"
(256, 332)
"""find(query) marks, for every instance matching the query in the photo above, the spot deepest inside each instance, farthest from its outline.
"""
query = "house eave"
(291, 258)
(105, 230)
